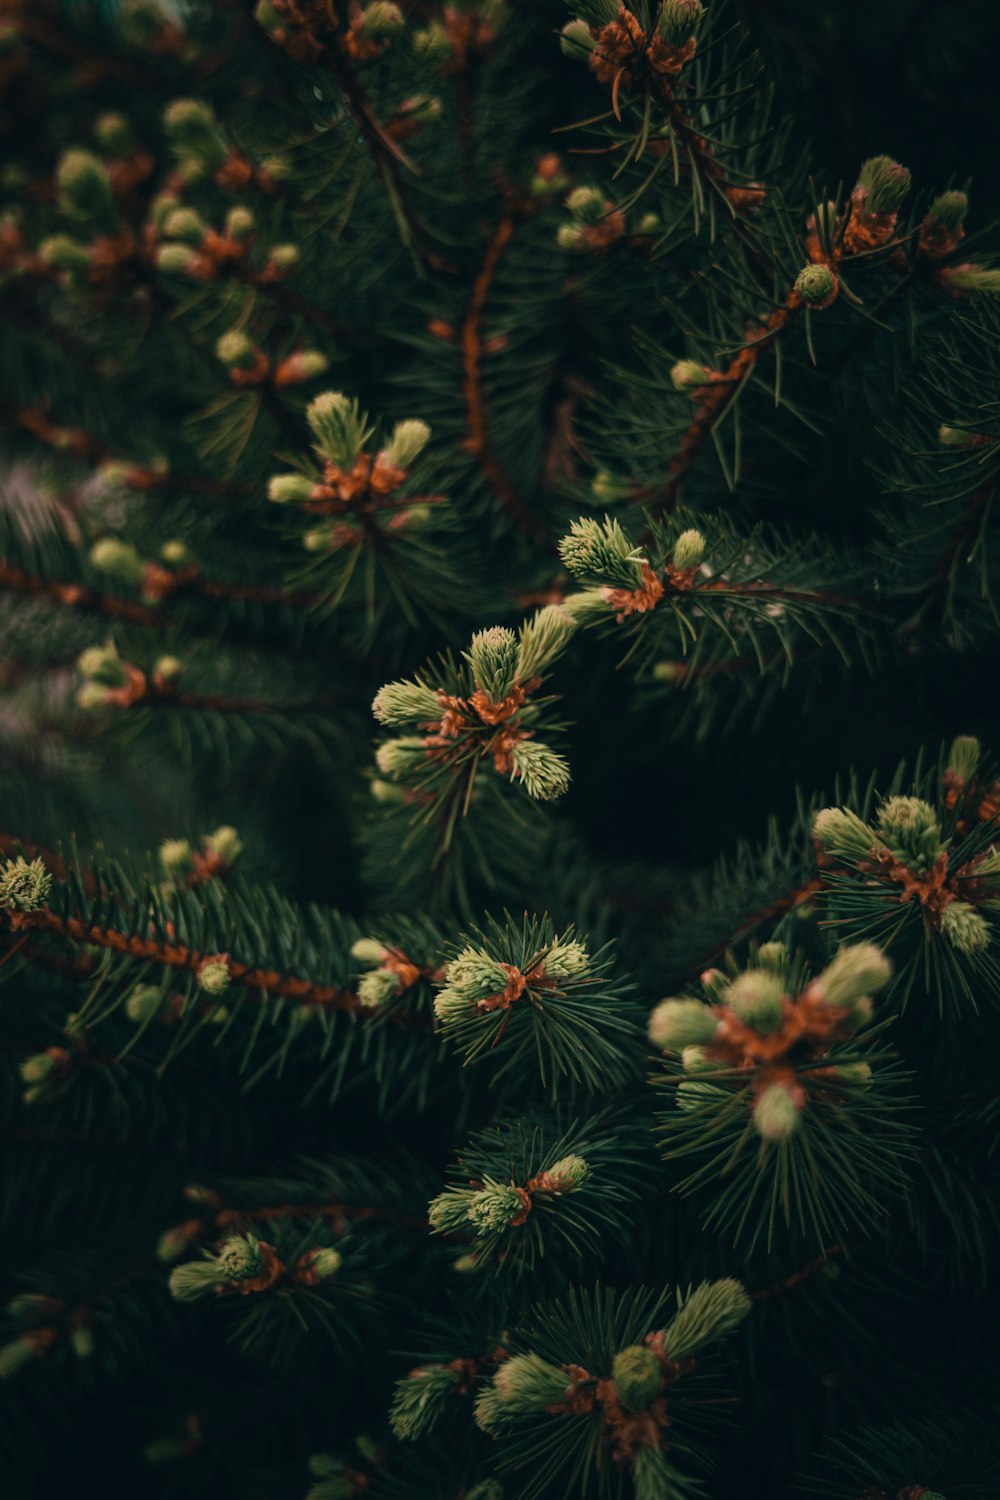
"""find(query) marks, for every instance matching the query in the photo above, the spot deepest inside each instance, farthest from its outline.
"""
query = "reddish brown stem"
(802, 1274)
(478, 441)
(176, 956)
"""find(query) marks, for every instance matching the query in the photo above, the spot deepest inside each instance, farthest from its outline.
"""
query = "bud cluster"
(768, 1032)
(494, 719)
(907, 849)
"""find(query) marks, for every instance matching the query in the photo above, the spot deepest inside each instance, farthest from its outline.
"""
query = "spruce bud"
(492, 656)
(284, 257)
(102, 664)
(587, 205)
(679, 20)
(688, 551)
(910, 829)
(408, 441)
(542, 772)
(236, 349)
(676, 1024)
(843, 834)
(226, 843)
(964, 757)
(381, 20)
(167, 669)
(338, 426)
(817, 285)
(528, 1383)
(24, 886)
(636, 1372)
(689, 375)
(882, 184)
(377, 987)
(65, 254)
(402, 757)
(856, 971)
(576, 40)
(176, 857)
(713, 1310)
(755, 997)
(775, 1114)
(239, 224)
(175, 260)
(542, 639)
(965, 927)
(290, 489)
(493, 1207)
(406, 703)
(184, 224)
(85, 188)
(144, 1003)
(120, 559)
(213, 975)
(368, 950)
(192, 129)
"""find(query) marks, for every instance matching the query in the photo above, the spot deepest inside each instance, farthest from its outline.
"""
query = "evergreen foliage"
(500, 833)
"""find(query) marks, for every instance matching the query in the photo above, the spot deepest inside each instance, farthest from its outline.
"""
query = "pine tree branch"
(777, 908)
(76, 596)
(811, 1268)
(304, 992)
(478, 441)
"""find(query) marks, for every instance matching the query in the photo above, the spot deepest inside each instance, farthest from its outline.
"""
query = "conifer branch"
(304, 992)
(478, 440)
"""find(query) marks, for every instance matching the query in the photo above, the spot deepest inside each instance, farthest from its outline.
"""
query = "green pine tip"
(493, 1207)
(399, 703)
(775, 1114)
(679, 20)
(338, 426)
(755, 996)
(576, 39)
(842, 833)
(857, 971)
(113, 555)
(542, 772)
(492, 655)
(225, 842)
(587, 205)
(688, 375)
(176, 856)
(235, 348)
(964, 756)
(949, 210)
(688, 550)
(965, 928)
(816, 284)
(884, 184)
(636, 1372)
(408, 441)
(381, 20)
(213, 976)
(676, 1024)
(24, 886)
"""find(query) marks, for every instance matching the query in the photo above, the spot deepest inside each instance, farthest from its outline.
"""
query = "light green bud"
(688, 551)
(775, 1114)
(676, 1024)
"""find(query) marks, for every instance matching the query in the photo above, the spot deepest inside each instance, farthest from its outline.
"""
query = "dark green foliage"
(478, 528)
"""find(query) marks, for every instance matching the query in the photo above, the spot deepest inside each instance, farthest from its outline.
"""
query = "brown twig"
(248, 976)
(478, 441)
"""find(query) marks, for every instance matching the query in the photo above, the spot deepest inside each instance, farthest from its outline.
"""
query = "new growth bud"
(688, 550)
(676, 1024)
(636, 1372)
(408, 441)
(817, 285)
(338, 426)
(24, 886)
(775, 1114)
